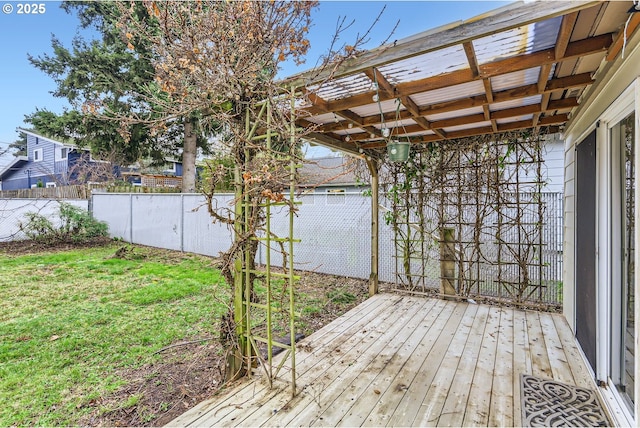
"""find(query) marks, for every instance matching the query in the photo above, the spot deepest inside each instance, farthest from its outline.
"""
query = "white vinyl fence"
(333, 229)
(12, 214)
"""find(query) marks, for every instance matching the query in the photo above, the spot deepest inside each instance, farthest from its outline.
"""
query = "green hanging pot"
(398, 151)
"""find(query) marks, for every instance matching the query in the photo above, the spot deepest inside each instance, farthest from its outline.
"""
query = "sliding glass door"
(622, 136)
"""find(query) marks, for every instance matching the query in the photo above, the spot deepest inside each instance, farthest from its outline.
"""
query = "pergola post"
(373, 277)
(447, 261)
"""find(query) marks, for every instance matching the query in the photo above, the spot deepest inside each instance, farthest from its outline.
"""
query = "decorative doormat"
(547, 403)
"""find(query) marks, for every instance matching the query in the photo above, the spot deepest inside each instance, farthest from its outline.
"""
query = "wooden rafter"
(564, 35)
(625, 33)
(479, 118)
(494, 69)
(516, 15)
(422, 117)
(569, 82)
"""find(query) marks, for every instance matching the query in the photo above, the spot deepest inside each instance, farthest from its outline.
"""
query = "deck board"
(477, 410)
(406, 361)
(455, 405)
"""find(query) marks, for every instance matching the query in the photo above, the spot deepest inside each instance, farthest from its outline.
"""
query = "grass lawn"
(71, 321)
(86, 334)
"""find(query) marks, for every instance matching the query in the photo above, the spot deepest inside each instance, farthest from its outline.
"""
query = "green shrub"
(76, 225)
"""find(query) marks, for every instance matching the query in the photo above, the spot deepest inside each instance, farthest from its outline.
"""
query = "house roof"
(523, 66)
(15, 163)
(26, 131)
(327, 171)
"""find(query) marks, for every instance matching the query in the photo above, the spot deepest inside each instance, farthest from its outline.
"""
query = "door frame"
(609, 240)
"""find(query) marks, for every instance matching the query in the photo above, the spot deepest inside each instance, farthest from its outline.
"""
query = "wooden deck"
(408, 361)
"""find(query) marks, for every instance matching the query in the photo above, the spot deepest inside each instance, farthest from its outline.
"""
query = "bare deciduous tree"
(215, 63)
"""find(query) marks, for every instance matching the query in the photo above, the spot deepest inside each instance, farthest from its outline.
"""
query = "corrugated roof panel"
(374, 108)
(401, 123)
(418, 134)
(394, 124)
(535, 99)
(321, 119)
(514, 119)
(526, 39)
(455, 92)
(427, 65)
(456, 113)
(344, 87)
(348, 131)
(467, 126)
(515, 79)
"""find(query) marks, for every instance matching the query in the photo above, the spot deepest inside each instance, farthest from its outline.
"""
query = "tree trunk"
(189, 157)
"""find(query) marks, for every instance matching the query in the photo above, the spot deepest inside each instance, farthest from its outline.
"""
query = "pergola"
(524, 66)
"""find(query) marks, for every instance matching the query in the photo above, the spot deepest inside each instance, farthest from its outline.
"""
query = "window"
(335, 196)
(37, 155)
(51, 184)
(62, 153)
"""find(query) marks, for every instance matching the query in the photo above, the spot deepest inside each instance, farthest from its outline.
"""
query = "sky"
(23, 88)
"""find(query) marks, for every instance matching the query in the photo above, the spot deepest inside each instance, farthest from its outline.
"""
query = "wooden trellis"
(468, 218)
(264, 297)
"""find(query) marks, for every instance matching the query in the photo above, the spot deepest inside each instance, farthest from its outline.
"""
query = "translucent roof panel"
(514, 119)
(536, 99)
(375, 108)
(393, 124)
(525, 39)
(467, 126)
(344, 87)
(401, 123)
(450, 93)
(418, 134)
(321, 119)
(515, 79)
(348, 131)
(456, 113)
(426, 65)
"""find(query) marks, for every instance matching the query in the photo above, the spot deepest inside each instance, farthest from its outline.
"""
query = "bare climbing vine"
(469, 213)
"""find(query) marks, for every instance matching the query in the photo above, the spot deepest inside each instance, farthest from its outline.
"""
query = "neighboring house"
(330, 175)
(48, 163)
(167, 175)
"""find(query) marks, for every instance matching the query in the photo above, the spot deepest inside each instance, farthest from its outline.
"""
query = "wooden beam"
(470, 52)
(561, 104)
(474, 132)
(333, 143)
(439, 125)
(564, 34)
(618, 43)
(383, 84)
(576, 49)
(543, 77)
(375, 227)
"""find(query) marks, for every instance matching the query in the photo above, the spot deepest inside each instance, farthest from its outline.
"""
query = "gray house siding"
(43, 164)
(15, 183)
(45, 169)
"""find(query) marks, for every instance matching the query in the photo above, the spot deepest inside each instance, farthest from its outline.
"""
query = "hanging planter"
(398, 151)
